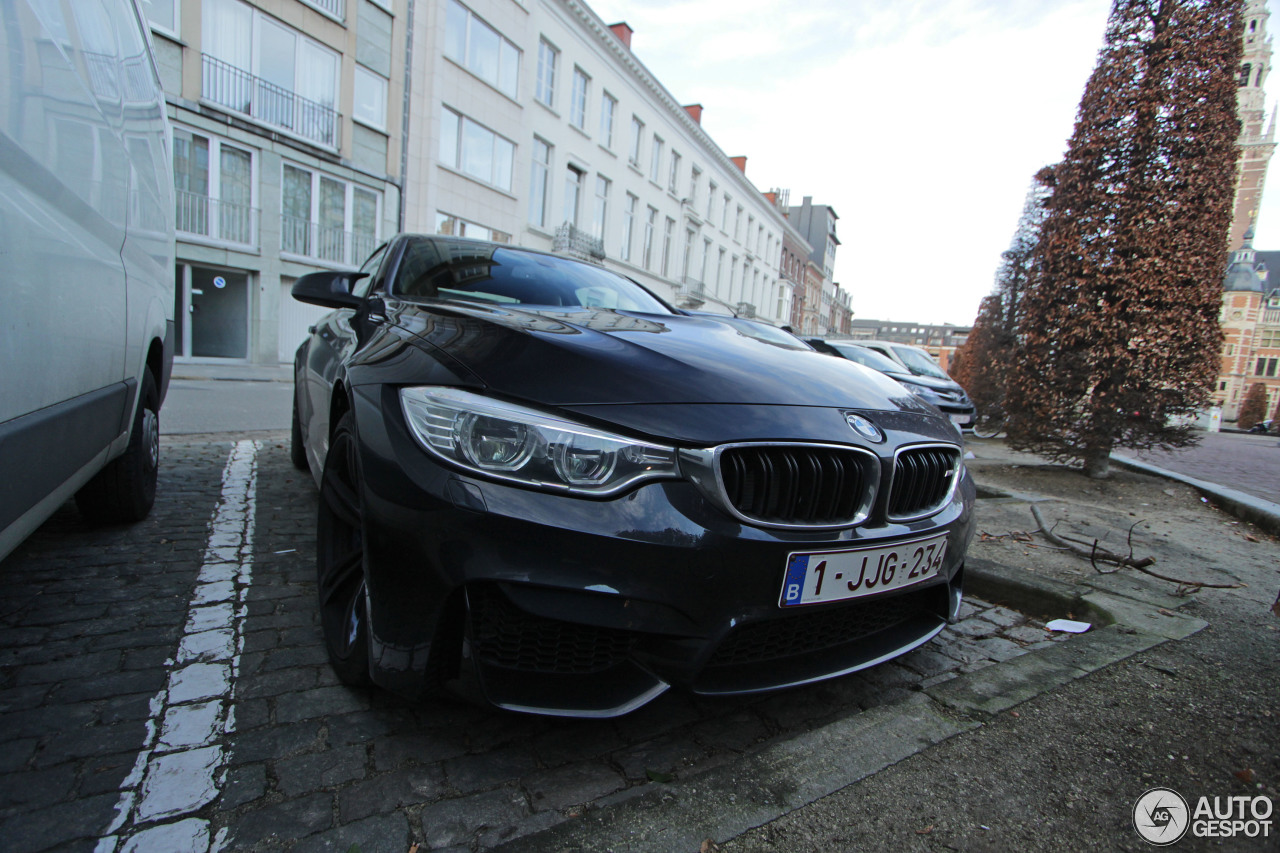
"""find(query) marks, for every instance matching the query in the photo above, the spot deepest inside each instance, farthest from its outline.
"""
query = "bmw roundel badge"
(864, 427)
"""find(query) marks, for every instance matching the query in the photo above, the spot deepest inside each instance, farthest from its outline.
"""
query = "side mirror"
(329, 289)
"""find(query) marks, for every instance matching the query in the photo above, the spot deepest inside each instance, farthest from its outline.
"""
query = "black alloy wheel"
(340, 559)
(297, 447)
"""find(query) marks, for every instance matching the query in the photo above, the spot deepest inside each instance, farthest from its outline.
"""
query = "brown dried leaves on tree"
(1254, 406)
(1120, 333)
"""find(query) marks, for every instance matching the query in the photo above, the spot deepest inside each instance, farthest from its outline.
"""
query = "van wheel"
(125, 490)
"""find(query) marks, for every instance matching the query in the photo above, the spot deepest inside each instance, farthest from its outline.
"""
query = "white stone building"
(287, 153)
(531, 121)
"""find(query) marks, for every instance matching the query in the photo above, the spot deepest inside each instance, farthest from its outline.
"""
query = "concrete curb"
(1263, 513)
(727, 801)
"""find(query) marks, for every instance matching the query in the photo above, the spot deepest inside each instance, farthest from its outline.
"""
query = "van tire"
(125, 490)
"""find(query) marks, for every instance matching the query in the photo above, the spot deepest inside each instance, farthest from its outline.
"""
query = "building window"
(608, 106)
(572, 194)
(475, 150)
(719, 271)
(214, 189)
(668, 231)
(628, 226)
(695, 178)
(539, 182)
(454, 226)
(602, 206)
(370, 106)
(649, 224)
(637, 133)
(578, 106)
(673, 179)
(1245, 71)
(256, 66)
(706, 253)
(751, 222)
(724, 215)
(655, 160)
(548, 56)
(163, 14)
(686, 258)
(711, 199)
(481, 49)
(326, 218)
(737, 224)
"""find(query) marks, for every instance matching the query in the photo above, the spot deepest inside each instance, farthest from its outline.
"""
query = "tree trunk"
(1097, 461)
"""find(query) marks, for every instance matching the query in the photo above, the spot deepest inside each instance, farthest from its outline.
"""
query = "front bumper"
(563, 605)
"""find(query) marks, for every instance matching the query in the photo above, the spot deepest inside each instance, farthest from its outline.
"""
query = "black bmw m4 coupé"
(543, 485)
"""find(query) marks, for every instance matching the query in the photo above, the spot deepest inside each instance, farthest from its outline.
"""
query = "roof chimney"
(695, 111)
(741, 163)
(623, 32)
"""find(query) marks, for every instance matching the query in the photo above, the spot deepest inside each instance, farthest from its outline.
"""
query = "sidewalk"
(234, 372)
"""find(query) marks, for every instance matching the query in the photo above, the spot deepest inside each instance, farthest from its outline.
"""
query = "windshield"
(919, 363)
(443, 268)
(866, 357)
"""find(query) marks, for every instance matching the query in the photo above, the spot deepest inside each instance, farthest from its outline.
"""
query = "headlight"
(510, 442)
(926, 394)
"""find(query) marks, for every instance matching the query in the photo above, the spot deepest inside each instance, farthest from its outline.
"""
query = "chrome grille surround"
(706, 468)
(923, 480)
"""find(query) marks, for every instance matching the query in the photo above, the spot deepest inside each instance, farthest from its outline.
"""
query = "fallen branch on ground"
(1094, 553)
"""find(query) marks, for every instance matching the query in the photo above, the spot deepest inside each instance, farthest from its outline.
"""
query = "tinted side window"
(373, 267)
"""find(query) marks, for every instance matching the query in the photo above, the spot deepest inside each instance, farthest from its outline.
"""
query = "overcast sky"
(920, 121)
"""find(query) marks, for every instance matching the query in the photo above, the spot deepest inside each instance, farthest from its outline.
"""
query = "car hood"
(591, 356)
(925, 381)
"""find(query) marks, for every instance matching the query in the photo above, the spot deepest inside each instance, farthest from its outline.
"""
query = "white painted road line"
(180, 766)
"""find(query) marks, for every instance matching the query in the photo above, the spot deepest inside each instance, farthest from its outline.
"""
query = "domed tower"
(1257, 134)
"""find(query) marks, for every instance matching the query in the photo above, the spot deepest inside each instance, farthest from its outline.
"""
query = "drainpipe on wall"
(404, 114)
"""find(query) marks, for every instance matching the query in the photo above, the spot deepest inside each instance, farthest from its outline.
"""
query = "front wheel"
(125, 490)
(340, 559)
(988, 426)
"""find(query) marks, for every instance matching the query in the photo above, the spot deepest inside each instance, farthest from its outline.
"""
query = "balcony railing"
(573, 241)
(238, 90)
(693, 292)
(334, 245)
(333, 7)
(747, 310)
(218, 220)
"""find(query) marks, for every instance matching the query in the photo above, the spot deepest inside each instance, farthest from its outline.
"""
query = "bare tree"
(1120, 332)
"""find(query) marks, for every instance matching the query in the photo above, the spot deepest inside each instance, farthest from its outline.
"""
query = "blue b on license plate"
(823, 576)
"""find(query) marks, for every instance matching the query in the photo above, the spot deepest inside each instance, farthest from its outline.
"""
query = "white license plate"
(819, 577)
(961, 420)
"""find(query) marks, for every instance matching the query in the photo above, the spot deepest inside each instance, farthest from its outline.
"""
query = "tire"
(297, 447)
(988, 426)
(340, 580)
(125, 490)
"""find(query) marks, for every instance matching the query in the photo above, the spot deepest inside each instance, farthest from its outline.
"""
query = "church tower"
(1257, 134)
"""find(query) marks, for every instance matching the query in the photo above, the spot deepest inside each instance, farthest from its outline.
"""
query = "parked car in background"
(87, 227)
(913, 368)
(542, 485)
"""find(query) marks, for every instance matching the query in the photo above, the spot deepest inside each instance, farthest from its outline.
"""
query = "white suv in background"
(87, 241)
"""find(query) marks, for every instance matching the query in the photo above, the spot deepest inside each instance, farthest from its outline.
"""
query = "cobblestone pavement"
(96, 638)
(1248, 463)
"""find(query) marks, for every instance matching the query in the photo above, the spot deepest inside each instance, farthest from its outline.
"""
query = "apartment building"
(287, 141)
(532, 122)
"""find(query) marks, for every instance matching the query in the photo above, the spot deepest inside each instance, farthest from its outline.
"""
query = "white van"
(86, 262)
